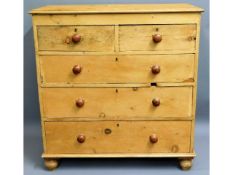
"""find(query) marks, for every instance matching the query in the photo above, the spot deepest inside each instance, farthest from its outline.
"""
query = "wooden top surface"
(116, 8)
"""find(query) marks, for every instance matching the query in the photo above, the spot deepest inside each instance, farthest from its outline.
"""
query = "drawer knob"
(77, 69)
(157, 38)
(80, 102)
(155, 69)
(81, 138)
(153, 138)
(76, 38)
(156, 102)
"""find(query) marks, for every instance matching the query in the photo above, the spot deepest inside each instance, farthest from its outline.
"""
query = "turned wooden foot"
(186, 163)
(51, 163)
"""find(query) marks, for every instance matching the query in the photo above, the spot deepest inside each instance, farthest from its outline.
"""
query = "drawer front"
(117, 137)
(121, 69)
(174, 38)
(117, 103)
(59, 38)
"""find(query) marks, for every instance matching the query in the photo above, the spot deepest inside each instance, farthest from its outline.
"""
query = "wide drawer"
(120, 69)
(173, 38)
(59, 38)
(117, 137)
(117, 103)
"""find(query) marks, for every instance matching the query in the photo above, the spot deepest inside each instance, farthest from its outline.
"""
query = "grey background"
(33, 164)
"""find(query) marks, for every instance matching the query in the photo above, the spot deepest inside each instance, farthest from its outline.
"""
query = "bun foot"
(186, 163)
(51, 163)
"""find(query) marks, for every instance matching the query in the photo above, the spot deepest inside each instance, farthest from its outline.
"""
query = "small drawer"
(117, 137)
(117, 69)
(158, 38)
(117, 103)
(76, 38)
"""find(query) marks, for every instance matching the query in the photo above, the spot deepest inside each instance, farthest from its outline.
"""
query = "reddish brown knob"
(77, 69)
(76, 38)
(155, 69)
(154, 138)
(79, 102)
(157, 38)
(156, 102)
(81, 138)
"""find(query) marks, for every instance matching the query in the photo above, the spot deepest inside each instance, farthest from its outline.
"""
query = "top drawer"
(86, 38)
(167, 37)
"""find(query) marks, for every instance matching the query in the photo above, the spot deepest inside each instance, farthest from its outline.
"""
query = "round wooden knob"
(81, 138)
(76, 38)
(153, 138)
(77, 69)
(80, 102)
(155, 69)
(157, 38)
(156, 102)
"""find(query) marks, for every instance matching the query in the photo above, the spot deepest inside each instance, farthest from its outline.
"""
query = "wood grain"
(125, 137)
(174, 37)
(117, 69)
(117, 103)
(94, 38)
(117, 92)
(195, 85)
(116, 8)
(112, 19)
(120, 155)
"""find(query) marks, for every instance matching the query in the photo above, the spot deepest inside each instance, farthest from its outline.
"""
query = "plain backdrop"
(32, 140)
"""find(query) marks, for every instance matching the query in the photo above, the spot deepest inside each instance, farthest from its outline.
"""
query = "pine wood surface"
(93, 38)
(117, 103)
(122, 88)
(125, 137)
(174, 37)
(120, 155)
(117, 8)
(128, 69)
(112, 19)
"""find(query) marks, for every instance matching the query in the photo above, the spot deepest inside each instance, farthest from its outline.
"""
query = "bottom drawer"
(117, 137)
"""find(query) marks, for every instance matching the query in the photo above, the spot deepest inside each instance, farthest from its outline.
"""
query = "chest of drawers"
(117, 80)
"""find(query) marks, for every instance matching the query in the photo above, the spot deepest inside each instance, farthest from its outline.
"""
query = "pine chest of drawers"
(117, 80)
